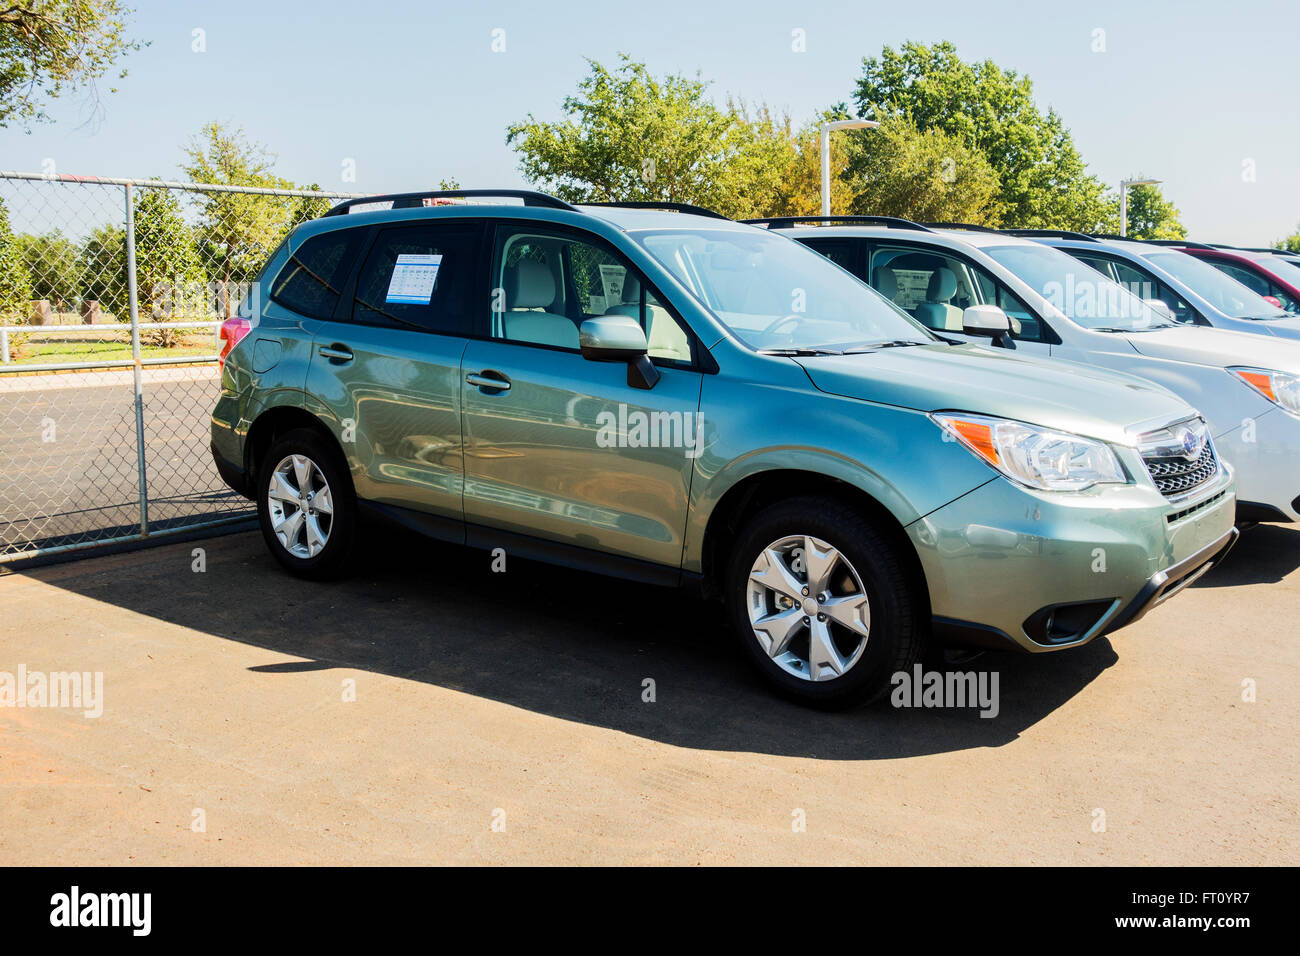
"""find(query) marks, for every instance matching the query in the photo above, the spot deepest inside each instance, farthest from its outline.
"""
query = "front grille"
(1174, 475)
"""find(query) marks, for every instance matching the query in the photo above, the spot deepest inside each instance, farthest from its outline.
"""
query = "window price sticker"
(414, 277)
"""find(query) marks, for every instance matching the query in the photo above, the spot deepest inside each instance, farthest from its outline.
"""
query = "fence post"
(137, 372)
(4, 346)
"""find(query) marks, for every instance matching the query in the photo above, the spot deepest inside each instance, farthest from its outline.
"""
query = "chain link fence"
(112, 294)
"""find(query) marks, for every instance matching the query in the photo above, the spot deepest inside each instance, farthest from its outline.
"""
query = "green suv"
(660, 393)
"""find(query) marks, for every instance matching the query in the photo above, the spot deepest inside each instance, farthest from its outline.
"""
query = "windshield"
(774, 293)
(1083, 294)
(1218, 288)
(1288, 272)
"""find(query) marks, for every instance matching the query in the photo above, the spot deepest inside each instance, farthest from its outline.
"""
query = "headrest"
(886, 282)
(529, 285)
(943, 285)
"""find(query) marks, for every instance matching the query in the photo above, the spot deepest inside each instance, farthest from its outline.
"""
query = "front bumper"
(1097, 560)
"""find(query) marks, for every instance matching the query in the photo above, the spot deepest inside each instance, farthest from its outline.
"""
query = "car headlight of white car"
(1037, 457)
(1280, 388)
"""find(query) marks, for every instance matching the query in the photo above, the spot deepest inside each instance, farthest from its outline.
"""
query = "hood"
(1219, 348)
(1288, 328)
(971, 378)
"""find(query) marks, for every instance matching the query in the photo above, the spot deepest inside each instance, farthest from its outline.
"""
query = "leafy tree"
(48, 47)
(103, 270)
(1043, 180)
(1291, 243)
(309, 207)
(53, 266)
(15, 289)
(237, 230)
(166, 260)
(628, 135)
(927, 176)
(1150, 215)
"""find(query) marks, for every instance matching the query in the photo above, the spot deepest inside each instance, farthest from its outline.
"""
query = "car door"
(386, 366)
(560, 448)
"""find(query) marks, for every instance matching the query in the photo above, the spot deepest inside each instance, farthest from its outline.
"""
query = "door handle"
(335, 353)
(489, 380)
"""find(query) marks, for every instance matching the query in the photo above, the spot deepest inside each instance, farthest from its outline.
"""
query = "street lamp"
(826, 153)
(1123, 200)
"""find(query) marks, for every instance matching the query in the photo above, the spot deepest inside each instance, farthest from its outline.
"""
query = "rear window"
(312, 280)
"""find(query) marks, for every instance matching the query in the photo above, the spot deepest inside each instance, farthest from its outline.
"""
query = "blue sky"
(1190, 92)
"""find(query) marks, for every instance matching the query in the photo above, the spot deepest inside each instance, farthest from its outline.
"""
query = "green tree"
(15, 289)
(1150, 215)
(628, 135)
(1043, 180)
(926, 176)
(310, 207)
(103, 268)
(49, 47)
(1291, 243)
(237, 231)
(53, 266)
(166, 261)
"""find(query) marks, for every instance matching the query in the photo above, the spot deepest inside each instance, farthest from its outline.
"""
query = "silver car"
(979, 284)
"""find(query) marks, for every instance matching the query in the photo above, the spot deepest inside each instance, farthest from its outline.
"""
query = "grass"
(36, 348)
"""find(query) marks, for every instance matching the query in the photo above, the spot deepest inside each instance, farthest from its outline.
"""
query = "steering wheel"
(771, 327)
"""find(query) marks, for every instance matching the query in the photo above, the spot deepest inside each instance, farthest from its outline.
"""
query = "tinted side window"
(550, 284)
(312, 280)
(1146, 286)
(1250, 280)
(839, 251)
(418, 277)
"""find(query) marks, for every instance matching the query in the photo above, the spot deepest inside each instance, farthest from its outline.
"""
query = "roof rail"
(1049, 234)
(786, 222)
(1113, 235)
(683, 207)
(1276, 252)
(1182, 243)
(968, 226)
(530, 197)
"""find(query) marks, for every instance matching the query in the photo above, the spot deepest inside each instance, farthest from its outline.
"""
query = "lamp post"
(1123, 200)
(826, 153)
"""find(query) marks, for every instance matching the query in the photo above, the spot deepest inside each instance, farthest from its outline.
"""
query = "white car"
(961, 282)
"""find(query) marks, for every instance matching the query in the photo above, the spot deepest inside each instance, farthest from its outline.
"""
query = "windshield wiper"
(799, 351)
(891, 344)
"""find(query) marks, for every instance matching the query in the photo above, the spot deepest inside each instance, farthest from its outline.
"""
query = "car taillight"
(232, 330)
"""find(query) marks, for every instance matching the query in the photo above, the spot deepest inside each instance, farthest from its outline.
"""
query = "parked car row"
(866, 437)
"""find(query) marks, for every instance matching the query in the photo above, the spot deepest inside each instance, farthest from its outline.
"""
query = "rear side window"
(418, 277)
(312, 280)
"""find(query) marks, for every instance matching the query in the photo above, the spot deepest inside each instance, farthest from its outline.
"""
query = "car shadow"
(554, 641)
(1265, 554)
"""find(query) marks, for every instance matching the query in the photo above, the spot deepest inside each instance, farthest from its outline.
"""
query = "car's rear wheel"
(306, 506)
(822, 602)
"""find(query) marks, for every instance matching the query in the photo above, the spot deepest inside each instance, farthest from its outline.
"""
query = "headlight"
(1281, 388)
(1033, 456)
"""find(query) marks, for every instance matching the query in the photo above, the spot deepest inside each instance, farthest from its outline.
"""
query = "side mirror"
(619, 338)
(1274, 301)
(987, 320)
(1161, 308)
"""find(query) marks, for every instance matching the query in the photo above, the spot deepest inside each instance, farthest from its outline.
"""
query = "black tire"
(897, 635)
(332, 560)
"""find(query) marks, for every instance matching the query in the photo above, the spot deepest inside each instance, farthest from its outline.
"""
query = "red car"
(1261, 272)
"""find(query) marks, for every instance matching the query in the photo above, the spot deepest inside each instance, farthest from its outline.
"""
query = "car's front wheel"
(306, 506)
(822, 602)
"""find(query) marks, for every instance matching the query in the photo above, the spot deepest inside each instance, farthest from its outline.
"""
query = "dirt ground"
(429, 710)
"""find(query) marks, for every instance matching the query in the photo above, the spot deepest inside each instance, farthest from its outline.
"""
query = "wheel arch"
(276, 422)
(751, 494)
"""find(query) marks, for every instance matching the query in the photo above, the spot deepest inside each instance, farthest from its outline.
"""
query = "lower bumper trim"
(1163, 585)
